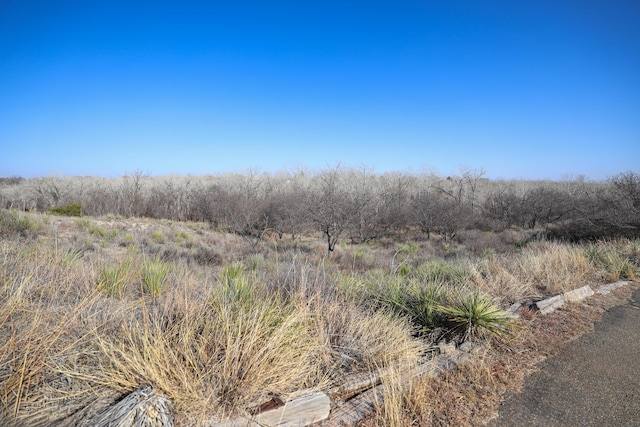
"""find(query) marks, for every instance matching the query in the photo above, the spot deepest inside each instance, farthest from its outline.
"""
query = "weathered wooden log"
(303, 411)
(550, 305)
(579, 294)
(142, 408)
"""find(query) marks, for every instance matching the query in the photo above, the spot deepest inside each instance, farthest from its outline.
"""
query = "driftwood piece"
(356, 409)
(142, 408)
(354, 385)
(579, 294)
(605, 289)
(299, 412)
(550, 305)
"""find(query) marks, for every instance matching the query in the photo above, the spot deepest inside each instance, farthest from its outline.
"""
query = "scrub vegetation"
(222, 292)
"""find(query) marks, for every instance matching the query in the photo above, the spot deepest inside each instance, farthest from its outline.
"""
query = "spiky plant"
(476, 315)
(154, 276)
(113, 279)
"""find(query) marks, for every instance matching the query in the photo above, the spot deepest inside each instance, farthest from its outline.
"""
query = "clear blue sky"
(539, 89)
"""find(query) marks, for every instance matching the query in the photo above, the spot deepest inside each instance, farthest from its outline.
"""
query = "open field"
(92, 308)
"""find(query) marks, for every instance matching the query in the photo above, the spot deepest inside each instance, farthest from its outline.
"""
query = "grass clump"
(158, 237)
(14, 223)
(155, 273)
(95, 229)
(113, 280)
(611, 258)
(256, 261)
(102, 231)
(415, 299)
(444, 272)
(231, 272)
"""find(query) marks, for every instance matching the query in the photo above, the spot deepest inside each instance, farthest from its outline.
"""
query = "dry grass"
(548, 268)
(86, 316)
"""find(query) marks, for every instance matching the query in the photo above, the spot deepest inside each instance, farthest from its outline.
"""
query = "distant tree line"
(345, 204)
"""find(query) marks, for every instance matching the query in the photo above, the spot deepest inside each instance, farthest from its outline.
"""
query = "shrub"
(73, 209)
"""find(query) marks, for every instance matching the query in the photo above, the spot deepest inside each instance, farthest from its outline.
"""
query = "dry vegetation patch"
(94, 308)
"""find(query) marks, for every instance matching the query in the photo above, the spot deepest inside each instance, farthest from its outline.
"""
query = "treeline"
(349, 204)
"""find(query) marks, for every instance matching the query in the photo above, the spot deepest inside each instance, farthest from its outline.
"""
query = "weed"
(102, 232)
(404, 269)
(95, 229)
(608, 257)
(71, 256)
(83, 222)
(417, 300)
(231, 272)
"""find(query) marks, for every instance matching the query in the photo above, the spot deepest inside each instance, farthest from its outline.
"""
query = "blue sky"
(532, 90)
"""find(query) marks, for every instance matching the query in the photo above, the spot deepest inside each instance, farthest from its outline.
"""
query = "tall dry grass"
(83, 324)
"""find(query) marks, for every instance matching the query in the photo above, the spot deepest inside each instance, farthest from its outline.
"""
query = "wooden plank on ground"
(299, 412)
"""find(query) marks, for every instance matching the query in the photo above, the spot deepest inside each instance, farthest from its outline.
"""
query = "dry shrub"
(554, 268)
(362, 341)
(403, 401)
(492, 276)
(548, 268)
(43, 302)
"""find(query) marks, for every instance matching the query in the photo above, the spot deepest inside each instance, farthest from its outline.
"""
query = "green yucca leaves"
(476, 315)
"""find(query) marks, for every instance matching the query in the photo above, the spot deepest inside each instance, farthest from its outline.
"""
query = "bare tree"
(132, 200)
(50, 191)
(331, 208)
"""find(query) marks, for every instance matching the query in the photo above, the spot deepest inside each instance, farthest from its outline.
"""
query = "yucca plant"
(154, 276)
(476, 315)
(113, 279)
(231, 272)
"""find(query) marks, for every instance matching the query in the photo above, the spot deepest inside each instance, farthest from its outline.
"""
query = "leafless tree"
(332, 208)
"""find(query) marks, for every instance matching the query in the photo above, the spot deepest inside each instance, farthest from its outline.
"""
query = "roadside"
(592, 381)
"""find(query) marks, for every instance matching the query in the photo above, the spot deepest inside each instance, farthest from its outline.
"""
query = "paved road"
(593, 381)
